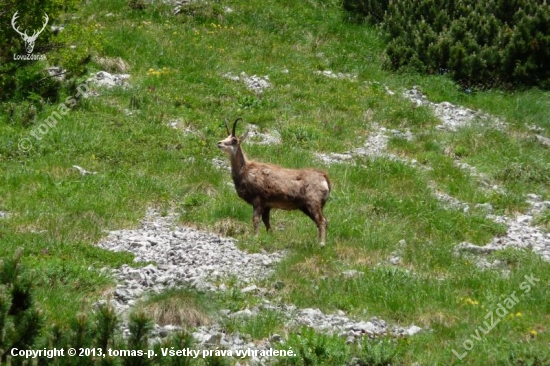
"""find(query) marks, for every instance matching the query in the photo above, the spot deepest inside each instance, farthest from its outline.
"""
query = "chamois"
(267, 186)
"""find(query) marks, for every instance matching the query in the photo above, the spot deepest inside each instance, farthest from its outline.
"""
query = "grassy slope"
(141, 162)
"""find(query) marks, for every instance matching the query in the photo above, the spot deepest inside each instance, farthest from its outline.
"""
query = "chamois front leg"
(265, 218)
(258, 212)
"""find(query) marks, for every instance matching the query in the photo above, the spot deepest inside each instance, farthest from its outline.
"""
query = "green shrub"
(377, 352)
(70, 49)
(20, 321)
(299, 134)
(313, 348)
(372, 11)
(479, 43)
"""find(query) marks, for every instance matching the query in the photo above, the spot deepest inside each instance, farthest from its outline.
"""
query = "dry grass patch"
(354, 256)
(178, 307)
(230, 227)
(314, 266)
(436, 317)
(25, 228)
(112, 64)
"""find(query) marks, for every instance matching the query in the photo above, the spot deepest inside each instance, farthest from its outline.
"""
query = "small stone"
(352, 273)
(365, 327)
(245, 312)
(412, 330)
(534, 197)
(163, 333)
(543, 140)
(275, 338)
(213, 339)
(395, 260)
(249, 289)
(524, 219)
(487, 207)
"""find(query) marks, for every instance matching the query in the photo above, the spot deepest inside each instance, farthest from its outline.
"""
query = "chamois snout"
(222, 145)
(228, 145)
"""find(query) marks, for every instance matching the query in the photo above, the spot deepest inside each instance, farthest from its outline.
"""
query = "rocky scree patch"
(186, 257)
(521, 233)
(254, 83)
(452, 117)
(374, 147)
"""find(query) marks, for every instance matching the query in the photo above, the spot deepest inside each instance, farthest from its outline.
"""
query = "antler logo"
(29, 40)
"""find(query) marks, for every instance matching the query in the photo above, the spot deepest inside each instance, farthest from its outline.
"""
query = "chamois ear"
(244, 136)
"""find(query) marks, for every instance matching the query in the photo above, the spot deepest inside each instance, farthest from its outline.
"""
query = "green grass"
(176, 71)
(259, 326)
(181, 307)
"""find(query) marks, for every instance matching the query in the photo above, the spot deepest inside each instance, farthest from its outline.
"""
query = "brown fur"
(268, 186)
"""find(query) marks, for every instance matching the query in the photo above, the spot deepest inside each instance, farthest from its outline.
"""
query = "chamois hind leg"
(316, 214)
(321, 225)
(322, 229)
(308, 213)
(265, 218)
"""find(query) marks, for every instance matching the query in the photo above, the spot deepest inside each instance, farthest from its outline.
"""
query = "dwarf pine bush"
(70, 48)
(479, 43)
(20, 321)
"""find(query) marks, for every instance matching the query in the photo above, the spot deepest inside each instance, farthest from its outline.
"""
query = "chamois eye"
(234, 142)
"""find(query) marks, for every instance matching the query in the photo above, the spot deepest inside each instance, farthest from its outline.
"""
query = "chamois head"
(231, 144)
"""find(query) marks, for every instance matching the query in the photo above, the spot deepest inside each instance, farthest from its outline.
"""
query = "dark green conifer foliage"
(105, 325)
(20, 321)
(140, 326)
(479, 43)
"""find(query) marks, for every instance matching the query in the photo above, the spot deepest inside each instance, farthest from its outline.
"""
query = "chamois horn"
(235, 125)
(227, 127)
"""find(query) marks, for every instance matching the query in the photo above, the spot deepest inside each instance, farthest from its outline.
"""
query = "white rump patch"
(325, 184)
